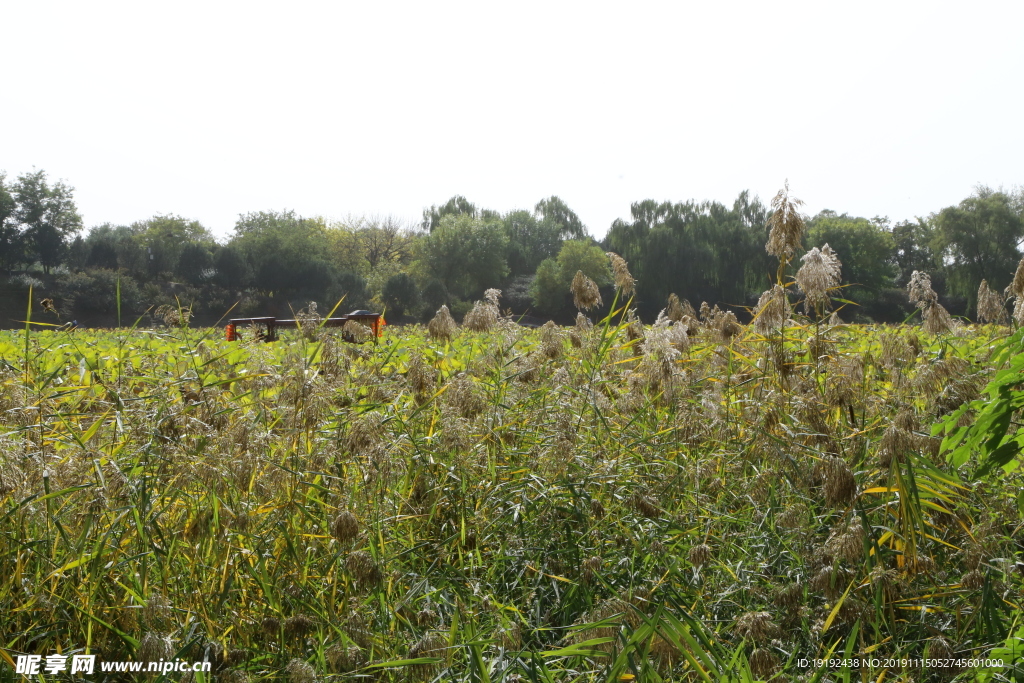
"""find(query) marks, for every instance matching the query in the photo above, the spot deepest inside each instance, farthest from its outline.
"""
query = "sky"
(212, 109)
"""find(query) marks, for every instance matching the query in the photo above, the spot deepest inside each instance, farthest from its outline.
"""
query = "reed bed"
(695, 500)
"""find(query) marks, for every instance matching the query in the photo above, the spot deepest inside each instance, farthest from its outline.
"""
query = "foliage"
(400, 293)
(465, 254)
(705, 251)
(97, 290)
(550, 287)
(43, 220)
(979, 239)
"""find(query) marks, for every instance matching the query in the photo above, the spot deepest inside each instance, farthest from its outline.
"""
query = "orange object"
(229, 332)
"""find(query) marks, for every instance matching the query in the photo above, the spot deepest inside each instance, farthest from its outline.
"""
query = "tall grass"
(610, 503)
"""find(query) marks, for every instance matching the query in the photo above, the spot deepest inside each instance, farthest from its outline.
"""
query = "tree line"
(277, 261)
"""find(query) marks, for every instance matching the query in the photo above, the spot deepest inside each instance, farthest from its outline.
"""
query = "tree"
(530, 241)
(865, 248)
(47, 216)
(385, 240)
(288, 254)
(550, 287)
(233, 271)
(400, 293)
(979, 239)
(704, 251)
(456, 206)
(913, 249)
(195, 263)
(556, 213)
(12, 247)
(466, 254)
(162, 238)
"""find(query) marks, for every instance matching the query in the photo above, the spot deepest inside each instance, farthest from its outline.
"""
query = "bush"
(95, 291)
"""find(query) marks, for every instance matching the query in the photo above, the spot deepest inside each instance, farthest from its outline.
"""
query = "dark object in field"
(265, 329)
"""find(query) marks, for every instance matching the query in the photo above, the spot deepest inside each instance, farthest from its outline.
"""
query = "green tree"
(233, 271)
(195, 263)
(913, 249)
(555, 213)
(12, 246)
(400, 293)
(530, 241)
(288, 254)
(456, 206)
(47, 215)
(979, 239)
(704, 251)
(162, 239)
(465, 254)
(865, 247)
(550, 287)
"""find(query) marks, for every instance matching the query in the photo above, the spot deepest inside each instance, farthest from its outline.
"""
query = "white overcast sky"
(211, 109)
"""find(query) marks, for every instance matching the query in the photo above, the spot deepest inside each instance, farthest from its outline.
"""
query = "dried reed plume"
(772, 310)
(1015, 290)
(991, 308)
(300, 671)
(756, 626)
(819, 273)
(585, 294)
(345, 527)
(936, 318)
(442, 325)
(786, 228)
(356, 331)
(484, 314)
(624, 282)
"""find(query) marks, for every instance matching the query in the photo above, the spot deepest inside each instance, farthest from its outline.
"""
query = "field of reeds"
(696, 500)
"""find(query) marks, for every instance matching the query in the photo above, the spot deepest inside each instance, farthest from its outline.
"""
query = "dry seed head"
(919, 290)
(153, 647)
(585, 294)
(421, 375)
(772, 310)
(157, 612)
(763, 664)
(756, 626)
(356, 331)
(298, 626)
(939, 648)
(699, 555)
(271, 626)
(343, 659)
(362, 567)
(840, 484)
(345, 527)
(645, 505)
(442, 326)
(491, 296)
(847, 543)
(591, 566)
(786, 225)
(973, 580)
(624, 282)
(819, 273)
(431, 645)
(551, 340)
(674, 311)
(991, 308)
(790, 597)
(300, 671)
(483, 316)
